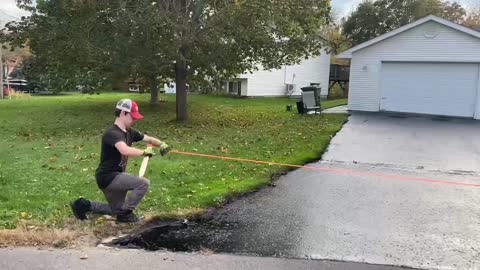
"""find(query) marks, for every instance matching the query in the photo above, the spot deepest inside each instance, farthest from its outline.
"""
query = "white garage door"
(429, 88)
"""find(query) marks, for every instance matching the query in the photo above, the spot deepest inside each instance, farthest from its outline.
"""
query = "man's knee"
(145, 183)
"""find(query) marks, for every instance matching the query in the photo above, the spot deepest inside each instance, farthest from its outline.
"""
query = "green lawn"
(50, 149)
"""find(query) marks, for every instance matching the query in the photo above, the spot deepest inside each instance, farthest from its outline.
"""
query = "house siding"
(273, 82)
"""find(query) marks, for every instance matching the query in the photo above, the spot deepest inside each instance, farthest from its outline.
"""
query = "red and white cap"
(130, 106)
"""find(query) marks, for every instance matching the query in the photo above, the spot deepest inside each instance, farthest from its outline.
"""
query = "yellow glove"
(148, 152)
(164, 148)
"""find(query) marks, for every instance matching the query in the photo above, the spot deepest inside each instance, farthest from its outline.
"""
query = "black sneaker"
(80, 208)
(128, 217)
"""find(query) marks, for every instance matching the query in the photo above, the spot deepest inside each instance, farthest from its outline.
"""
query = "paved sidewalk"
(339, 109)
(123, 259)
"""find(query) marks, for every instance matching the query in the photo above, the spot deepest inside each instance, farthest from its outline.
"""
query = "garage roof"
(348, 53)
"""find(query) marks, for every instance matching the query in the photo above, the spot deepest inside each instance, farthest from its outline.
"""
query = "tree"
(473, 18)
(56, 34)
(219, 39)
(332, 33)
(452, 11)
(10, 58)
(362, 24)
(30, 70)
(190, 40)
(374, 18)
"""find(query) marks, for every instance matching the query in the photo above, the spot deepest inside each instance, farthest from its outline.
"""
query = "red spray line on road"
(337, 170)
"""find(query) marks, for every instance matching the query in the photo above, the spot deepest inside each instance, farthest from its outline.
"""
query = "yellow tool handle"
(143, 167)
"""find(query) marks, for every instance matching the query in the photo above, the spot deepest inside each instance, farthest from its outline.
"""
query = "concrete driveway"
(443, 144)
(365, 211)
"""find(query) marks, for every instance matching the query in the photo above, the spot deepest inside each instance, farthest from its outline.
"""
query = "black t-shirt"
(112, 162)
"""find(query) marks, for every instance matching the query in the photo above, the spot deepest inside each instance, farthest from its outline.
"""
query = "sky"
(9, 10)
(345, 7)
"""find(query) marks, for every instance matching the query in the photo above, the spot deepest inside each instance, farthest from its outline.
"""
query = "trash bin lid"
(309, 88)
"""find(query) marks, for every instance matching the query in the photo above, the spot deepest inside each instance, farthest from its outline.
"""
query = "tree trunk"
(153, 90)
(181, 84)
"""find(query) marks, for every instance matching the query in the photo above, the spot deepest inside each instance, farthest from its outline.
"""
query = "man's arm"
(150, 140)
(126, 150)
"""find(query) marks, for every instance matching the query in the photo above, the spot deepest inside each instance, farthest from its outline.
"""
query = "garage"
(429, 88)
(430, 66)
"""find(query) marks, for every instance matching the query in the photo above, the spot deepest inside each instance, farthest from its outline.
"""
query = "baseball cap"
(128, 105)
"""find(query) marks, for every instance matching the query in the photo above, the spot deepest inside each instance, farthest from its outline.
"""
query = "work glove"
(148, 152)
(164, 148)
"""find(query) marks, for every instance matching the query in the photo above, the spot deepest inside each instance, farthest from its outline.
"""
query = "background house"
(286, 81)
(430, 66)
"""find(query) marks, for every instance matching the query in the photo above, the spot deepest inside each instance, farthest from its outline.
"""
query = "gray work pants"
(116, 194)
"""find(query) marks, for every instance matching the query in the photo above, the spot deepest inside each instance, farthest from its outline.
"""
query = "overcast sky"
(8, 9)
(344, 7)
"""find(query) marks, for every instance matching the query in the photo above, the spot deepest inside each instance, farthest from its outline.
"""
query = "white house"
(287, 80)
(430, 66)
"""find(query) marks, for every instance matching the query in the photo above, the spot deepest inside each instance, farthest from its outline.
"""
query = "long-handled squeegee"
(144, 165)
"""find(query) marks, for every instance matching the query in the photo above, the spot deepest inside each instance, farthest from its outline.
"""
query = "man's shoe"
(80, 208)
(128, 217)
